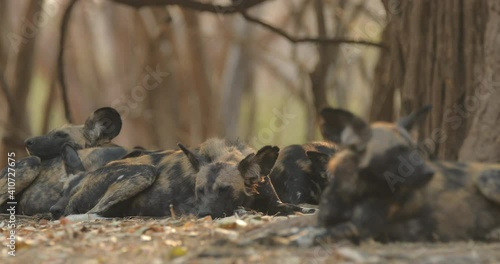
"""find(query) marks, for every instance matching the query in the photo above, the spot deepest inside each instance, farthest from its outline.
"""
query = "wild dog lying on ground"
(212, 179)
(101, 126)
(382, 188)
(299, 175)
(38, 179)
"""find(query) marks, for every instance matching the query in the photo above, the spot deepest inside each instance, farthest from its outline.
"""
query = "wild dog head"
(299, 175)
(223, 185)
(102, 126)
(378, 160)
(383, 150)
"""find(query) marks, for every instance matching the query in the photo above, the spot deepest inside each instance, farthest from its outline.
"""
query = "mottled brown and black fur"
(22, 175)
(213, 179)
(299, 174)
(100, 127)
(383, 188)
(45, 189)
(38, 187)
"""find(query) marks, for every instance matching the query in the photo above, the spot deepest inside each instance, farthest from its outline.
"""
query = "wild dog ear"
(193, 158)
(408, 121)
(319, 161)
(343, 127)
(72, 162)
(104, 124)
(263, 161)
(265, 158)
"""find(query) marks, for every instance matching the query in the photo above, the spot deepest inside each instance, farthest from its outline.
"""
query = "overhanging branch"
(236, 7)
(293, 39)
(241, 7)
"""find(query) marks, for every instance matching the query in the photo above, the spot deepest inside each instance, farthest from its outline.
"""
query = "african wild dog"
(299, 175)
(213, 179)
(85, 190)
(38, 187)
(381, 187)
(45, 189)
(101, 126)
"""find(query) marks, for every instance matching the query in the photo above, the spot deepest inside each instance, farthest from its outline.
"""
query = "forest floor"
(246, 239)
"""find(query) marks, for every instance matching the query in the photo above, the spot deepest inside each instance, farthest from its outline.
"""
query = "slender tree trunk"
(318, 76)
(235, 79)
(199, 77)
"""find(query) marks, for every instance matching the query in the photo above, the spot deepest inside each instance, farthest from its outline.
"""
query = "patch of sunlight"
(37, 97)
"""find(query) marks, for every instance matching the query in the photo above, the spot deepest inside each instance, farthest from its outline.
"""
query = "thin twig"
(293, 39)
(60, 58)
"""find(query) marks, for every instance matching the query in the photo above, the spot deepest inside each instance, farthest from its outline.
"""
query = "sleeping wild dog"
(38, 177)
(213, 179)
(299, 174)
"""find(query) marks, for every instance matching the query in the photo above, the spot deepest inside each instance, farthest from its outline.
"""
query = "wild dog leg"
(368, 220)
(268, 201)
(25, 172)
(126, 186)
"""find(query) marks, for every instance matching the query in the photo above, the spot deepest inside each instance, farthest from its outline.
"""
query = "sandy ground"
(247, 239)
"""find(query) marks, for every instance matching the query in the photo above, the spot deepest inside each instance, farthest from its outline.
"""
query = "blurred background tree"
(259, 70)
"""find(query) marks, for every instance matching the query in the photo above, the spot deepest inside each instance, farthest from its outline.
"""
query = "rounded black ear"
(193, 159)
(335, 121)
(104, 124)
(408, 121)
(71, 160)
(264, 158)
(245, 164)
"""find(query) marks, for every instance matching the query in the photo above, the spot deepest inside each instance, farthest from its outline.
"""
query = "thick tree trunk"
(435, 51)
(483, 140)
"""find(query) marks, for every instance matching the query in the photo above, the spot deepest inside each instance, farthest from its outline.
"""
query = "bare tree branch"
(321, 40)
(240, 7)
(236, 7)
(60, 58)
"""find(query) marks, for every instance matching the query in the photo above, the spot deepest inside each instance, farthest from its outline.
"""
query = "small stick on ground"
(172, 212)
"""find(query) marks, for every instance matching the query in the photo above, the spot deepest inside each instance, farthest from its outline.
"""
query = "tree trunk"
(483, 140)
(237, 75)
(17, 120)
(435, 50)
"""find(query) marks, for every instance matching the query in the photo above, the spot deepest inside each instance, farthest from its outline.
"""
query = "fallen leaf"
(178, 252)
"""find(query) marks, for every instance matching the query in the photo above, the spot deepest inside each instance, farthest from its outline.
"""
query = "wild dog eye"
(201, 191)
